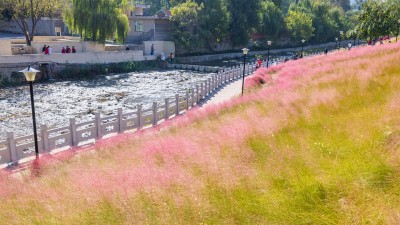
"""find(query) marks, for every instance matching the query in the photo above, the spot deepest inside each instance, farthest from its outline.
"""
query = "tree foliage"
(378, 18)
(27, 13)
(187, 29)
(243, 18)
(237, 20)
(273, 20)
(98, 20)
(299, 25)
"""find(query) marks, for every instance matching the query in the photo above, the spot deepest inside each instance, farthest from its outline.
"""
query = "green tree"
(243, 19)
(299, 24)
(273, 19)
(98, 20)
(187, 29)
(214, 20)
(27, 13)
(378, 19)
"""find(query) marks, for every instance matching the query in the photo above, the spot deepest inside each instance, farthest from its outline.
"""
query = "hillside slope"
(318, 144)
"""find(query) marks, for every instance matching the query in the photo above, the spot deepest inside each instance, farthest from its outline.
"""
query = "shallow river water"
(56, 102)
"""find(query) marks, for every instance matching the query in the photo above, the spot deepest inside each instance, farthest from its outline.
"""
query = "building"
(145, 27)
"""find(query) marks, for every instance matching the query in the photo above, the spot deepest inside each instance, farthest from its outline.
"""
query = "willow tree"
(98, 20)
(27, 13)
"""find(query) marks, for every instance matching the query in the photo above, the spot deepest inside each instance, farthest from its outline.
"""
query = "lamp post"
(245, 51)
(337, 42)
(269, 45)
(302, 43)
(340, 38)
(398, 30)
(30, 74)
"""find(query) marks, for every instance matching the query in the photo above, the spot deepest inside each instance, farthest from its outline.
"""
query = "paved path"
(224, 93)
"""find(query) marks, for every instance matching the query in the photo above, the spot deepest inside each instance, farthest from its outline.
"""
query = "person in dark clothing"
(326, 51)
(44, 48)
(152, 50)
(73, 49)
(68, 50)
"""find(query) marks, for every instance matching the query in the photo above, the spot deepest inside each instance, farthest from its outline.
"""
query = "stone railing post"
(197, 94)
(209, 86)
(139, 116)
(155, 116)
(120, 120)
(166, 116)
(187, 100)
(177, 104)
(45, 137)
(72, 129)
(12, 147)
(97, 122)
(192, 94)
(213, 83)
(201, 91)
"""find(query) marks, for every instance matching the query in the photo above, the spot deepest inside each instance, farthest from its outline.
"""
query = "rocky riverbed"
(55, 102)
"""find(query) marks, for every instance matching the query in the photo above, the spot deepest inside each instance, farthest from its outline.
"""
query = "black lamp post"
(302, 43)
(337, 42)
(245, 51)
(340, 38)
(398, 30)
(30, 74)
(269, 45)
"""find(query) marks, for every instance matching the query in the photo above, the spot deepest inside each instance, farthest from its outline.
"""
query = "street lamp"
(340, 38)
(302, 43)
(245, 51)
(30, 74)
(336, 42)
(398, 30)
(269, 45)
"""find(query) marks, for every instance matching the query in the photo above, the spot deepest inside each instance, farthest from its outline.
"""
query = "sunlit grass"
(318, 144)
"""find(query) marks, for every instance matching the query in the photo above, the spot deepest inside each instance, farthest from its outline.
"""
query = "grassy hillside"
(318, 143)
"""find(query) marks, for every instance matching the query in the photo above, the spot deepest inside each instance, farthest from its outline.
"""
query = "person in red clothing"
(63, 50)
(259, 63)
(46, 51)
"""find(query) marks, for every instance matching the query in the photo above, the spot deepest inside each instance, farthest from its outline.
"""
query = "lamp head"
(303, 40)
(269, 43)
(336, 39)
(245, 51)
(30, 73)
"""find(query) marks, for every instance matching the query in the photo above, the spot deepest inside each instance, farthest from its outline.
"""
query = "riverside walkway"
(225, 93)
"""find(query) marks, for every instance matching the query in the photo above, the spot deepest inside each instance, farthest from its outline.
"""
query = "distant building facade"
(44, 27)
(143, 27)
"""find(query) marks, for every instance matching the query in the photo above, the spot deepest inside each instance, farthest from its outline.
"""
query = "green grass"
(305, 161)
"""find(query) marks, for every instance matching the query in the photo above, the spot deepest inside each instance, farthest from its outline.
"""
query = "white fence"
(13, 149)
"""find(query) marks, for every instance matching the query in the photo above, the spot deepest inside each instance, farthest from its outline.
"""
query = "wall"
(43, 27)
(5, 47)
(79, 46)
(79, 58)
(214, 57)
(159, 46)
(148, 24)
